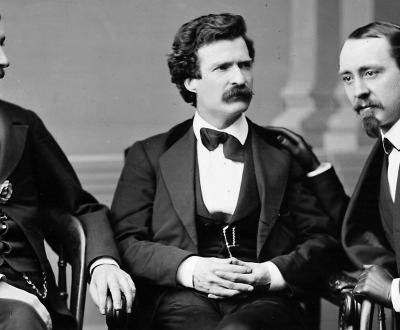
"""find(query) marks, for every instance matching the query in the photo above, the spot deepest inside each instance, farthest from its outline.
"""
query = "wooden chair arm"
(64, 233)
(336, 284)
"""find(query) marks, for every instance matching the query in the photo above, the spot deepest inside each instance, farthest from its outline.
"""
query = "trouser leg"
(15, 314)
(264, 313)
(183, 309)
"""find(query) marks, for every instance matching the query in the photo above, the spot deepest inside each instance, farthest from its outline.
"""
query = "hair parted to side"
(183, 61)
(387, 30)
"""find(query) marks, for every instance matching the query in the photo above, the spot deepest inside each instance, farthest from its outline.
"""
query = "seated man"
(212, 218)
(370, 70)
(35, 174)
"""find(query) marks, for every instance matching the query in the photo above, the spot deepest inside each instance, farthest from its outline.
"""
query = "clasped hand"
(375, 283)
(224, 278)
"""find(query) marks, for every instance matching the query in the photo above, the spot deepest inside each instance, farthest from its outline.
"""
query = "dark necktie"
(233, 149)
(387, 146)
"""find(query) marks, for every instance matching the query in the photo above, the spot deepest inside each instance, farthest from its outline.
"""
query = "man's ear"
(191, 85)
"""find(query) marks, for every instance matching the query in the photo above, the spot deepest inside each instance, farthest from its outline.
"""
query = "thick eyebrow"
(364, 68)
(343, 72)
(228, 63)
(218, 64)
(246, 62)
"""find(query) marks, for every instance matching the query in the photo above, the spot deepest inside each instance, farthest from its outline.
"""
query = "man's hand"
(111, 277)
(8, 291)
(299, 148)
(375, 283)
(259, 277)
(205, 278)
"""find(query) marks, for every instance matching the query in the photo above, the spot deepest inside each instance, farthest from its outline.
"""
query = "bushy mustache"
(241, 91)
(374, 104)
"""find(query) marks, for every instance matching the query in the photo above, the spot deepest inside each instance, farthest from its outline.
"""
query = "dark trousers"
(15, 314)
(188, 309)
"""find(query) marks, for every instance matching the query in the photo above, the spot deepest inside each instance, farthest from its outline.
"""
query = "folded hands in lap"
(225, 278)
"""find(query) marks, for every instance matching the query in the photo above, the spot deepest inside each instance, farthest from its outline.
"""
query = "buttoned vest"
(242, 225)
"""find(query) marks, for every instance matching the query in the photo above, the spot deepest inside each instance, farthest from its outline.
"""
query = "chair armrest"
(117, 318)
(65, 235)
(337, 283)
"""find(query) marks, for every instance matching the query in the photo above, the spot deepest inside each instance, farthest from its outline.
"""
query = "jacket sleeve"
(316, 248)
(331, 195)
(59, 187)
(131, 218)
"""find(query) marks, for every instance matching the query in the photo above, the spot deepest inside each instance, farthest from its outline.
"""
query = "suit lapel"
(12, 141)
(177, 169)
(271, 172)
(249, 198)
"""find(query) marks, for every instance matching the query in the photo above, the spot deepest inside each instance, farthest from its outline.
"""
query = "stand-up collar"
(393, 135)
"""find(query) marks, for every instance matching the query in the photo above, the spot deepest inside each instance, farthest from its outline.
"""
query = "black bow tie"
(233, 149)
(388, 146)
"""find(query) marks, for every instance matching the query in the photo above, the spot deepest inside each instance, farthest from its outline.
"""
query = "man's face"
(225, 88)
(3, 58)
(371, 80)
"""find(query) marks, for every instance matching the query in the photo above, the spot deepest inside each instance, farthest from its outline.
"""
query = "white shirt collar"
(239, 129)
(393, 135)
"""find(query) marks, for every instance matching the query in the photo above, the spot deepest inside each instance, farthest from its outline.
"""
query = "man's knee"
(16, 314)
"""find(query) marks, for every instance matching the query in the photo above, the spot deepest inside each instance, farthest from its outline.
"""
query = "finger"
(223, 292)
(212, 296)
(131, 283)
(93, 293)
(235, 277)
(358, 289)
(222, 261)
(115, 290)
(291, 136)
(231, 268)
(366, 266)
(288, 144)
(129, 292)
(231, 285)
(284, 131)
(101, 291)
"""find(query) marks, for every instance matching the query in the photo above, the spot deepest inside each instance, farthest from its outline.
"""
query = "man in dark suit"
(370, 70)
(35, 174)
(212, 218)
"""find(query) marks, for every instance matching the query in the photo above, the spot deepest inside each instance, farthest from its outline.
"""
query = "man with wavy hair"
(212, 218)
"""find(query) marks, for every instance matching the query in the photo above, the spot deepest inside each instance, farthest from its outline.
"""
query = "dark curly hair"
(386, 30)
(183, 63)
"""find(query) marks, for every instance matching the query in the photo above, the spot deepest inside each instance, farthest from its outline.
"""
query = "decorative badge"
(5, 192)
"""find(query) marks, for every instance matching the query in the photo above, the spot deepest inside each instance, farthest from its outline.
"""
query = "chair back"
(64, 233)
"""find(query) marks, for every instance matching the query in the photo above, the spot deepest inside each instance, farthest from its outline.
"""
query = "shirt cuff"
(323, 167)
(184, 275)
(395, 292)
(102, 261)
(277, 280)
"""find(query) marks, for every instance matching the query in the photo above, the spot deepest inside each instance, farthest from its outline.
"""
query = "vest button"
(3, 228)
